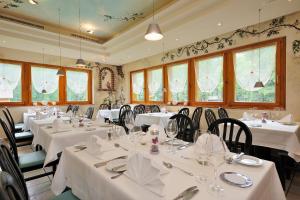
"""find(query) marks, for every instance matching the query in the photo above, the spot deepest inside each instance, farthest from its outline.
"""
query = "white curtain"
(246, 65)
(138, 82)
(155, 81)
(10, 76)
(77, 81)
(177, 78)
(44, 79)
(208, 73)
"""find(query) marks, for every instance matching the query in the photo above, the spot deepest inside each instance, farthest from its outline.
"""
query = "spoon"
(119, 146)
(170, 166)
(116, 176)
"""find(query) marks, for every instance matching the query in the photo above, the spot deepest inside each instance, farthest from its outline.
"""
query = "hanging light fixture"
(59, 72)
(44, 91)
(153, 32)
(80, 62)
(259, 83)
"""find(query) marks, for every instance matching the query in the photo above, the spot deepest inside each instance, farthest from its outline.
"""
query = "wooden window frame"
(228, 78)
(163, 86)
(131, 87)
(26, 84)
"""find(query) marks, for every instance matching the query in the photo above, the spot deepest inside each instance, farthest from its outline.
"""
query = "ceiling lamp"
(59, 72)
(153, 32)
(259, 83)
(80, 62)
(33, 2)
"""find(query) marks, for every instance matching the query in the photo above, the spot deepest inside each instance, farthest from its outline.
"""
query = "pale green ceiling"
(92, 11)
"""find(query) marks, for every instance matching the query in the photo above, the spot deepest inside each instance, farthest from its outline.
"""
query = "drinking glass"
(129, 121)
(172, 131)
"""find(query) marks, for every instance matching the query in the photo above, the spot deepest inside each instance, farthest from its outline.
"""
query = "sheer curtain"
(155, 83)
(138, 83)
(77, 81)
(246, 66)
(10, 75)
(177, 78)
(44, 79)
(208, 73)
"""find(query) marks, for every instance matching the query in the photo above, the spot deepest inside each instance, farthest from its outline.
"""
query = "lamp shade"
(259, 84)
(153, 33)
(80, 62)
(60, 72)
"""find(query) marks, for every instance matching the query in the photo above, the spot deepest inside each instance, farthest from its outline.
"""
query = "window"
(137, 86)
(10, 82)
(44, 84)
(77, 85)
(209, 79)
(155, 84)
(248, 72)
(178, 82)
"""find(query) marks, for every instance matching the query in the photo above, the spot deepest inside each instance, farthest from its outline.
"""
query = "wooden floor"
(39, 189)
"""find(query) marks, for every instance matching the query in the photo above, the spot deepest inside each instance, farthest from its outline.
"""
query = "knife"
(186, 192)
(118, 167)
(100, 164)
(191, 194)
(184, 146)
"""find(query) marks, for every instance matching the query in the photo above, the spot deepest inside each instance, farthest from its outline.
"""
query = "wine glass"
(172, 131)
(129, 121)
(216, 158)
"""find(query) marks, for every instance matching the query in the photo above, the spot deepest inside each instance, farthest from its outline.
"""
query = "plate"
(248, 160)
(177, 142)
(118, 165)
(236, 179)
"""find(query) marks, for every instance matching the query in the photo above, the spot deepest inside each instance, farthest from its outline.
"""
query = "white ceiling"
(185, 20)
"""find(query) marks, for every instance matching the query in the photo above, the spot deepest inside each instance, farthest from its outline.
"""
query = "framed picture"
(106, 79)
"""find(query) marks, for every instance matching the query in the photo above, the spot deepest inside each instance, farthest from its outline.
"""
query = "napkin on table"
(209, 143)
(95, 145)
(247, 116)
(144, 172)
(286, 119)
(57, 124)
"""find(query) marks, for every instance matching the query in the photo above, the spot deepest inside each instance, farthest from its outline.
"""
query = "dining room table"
(79, 171)
(159, 118)
(111, 114)
(55, 141)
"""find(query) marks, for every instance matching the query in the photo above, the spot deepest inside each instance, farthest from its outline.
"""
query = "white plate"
(118, 165)
(236, 179)
(248, 160)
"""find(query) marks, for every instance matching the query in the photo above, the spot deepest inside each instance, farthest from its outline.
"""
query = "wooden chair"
(17, 126)
(154, 109)
(122, 118)
(12, 182)
(197, 117)
(232, 137)
(75, 109)
(184, 111)
(185, 127)
(89, 112)
(210, 116)
(222, 113)
(139, 109)
(122, 109)
(69, 108)
(104, 106)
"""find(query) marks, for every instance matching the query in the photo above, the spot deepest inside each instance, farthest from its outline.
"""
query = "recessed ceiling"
(92, 14)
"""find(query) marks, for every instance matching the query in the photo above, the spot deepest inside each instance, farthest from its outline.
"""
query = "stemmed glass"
(216, 158)
(172, 131)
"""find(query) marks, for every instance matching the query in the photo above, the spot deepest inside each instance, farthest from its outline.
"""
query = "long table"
(76, 170)
(160, 119)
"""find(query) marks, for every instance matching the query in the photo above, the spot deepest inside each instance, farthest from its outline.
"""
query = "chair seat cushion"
(23, 135)
(32, 159)
(68, 195)
(19, 126)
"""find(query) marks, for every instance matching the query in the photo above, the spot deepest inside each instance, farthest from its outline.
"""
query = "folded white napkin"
(163, 110)
(247, 116)
(40, 115)
(141, 170)
(57, 124)
(287, 119)
(209, 143)
(95, 145)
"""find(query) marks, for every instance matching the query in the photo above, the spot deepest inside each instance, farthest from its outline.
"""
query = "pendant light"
(59, 72)
(259, 83)
(80, 62)
(44, 91)
(153, 32)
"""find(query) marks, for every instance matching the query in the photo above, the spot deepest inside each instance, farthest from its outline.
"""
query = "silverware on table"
(187, 193)
(100, 164)
(118, 167)
(118, 175)
(170, 166)
(80, 148)
(184, 146)
(118, 145)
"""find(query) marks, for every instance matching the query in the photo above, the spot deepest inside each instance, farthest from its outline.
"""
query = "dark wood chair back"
(210, 116)
(104, 106)
(75, 109)
(69, 108)
(122, 118)
(10, 122)
(184, 111)
(232, 130)
(154, 109)
(123, 108)
(139, 109)
(222, 113)
(89, 112)
(185, 127)
(9, 189)
(197, 117)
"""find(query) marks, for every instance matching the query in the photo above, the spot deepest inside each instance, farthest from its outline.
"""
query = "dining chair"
(154, 109)
(184, 111)
(232, 129)
(28, 161)
(12, 182)
(222, 113)
(89, 112)
(185, 127)
(22, 138)
(69, 108)
(196, 117)
(122, 109)
(104, 106)
(139, 109)
(17, 126)
(122, 118)
(210, 116)
(75, 109)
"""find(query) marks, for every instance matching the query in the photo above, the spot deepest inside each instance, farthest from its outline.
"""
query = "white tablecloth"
(109, 114)
(54, 143)
(161, 119)
(76, 170)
